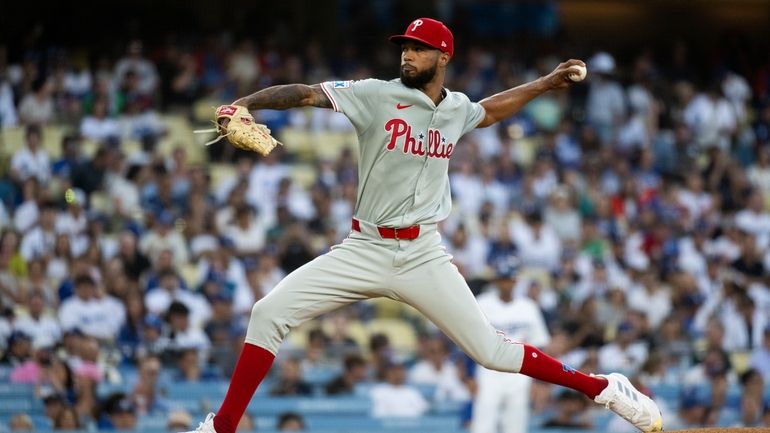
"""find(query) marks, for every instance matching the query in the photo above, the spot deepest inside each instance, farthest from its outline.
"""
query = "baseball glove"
(241, 130)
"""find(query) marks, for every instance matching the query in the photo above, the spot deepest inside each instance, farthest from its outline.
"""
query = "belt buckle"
(395, 233)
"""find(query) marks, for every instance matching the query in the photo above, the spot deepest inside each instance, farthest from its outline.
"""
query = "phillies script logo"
(435, 146)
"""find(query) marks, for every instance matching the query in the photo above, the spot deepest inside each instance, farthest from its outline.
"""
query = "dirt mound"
(723, 430)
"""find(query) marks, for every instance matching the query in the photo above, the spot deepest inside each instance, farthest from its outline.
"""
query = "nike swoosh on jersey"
(401, 107)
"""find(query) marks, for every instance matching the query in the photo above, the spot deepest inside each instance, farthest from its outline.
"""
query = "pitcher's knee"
(504, 356)
(266, 329)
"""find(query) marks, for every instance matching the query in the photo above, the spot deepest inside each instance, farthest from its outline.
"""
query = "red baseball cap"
(430, 32)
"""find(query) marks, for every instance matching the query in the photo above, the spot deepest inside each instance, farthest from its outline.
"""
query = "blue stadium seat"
(307, 406)
(16, 389)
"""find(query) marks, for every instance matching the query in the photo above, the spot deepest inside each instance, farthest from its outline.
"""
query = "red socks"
(253, 364)
(540, 366)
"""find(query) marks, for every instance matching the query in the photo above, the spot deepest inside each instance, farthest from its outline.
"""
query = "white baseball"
(579, 73)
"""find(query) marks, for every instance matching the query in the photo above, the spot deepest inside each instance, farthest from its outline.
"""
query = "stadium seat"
(11, 139)
(16, 389)
(338, 406)
(402, 336)
(179, 132)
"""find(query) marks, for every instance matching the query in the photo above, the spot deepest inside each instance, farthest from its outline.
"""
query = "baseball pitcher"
(407, 130)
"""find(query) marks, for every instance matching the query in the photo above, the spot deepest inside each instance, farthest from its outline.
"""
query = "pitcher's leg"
(328, 282)
(438, 290)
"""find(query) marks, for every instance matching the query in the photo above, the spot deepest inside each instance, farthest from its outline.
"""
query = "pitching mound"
(724, 430)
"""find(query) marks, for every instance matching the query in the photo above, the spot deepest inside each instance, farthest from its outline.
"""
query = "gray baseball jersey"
(406, 142)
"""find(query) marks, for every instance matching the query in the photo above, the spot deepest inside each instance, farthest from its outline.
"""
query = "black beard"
(419, 80)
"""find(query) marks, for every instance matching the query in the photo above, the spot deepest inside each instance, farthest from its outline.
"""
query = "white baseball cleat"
(206, 426)
(622, 398)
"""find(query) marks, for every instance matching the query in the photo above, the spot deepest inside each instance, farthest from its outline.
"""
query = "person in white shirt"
(41, 239)
(37, 106)
(32, 160)
(626, 353)
(8, 118)
(538, 244)
(606, 103)
(42, 327)
(754, 219)
(502, 400)
(134, 61)
(98, 126)
(94, 315)
(159, 299)
(247, 231)
(650, 297)
(394, 398)
(164, 237)
(438, 370)
(27, 213)
(181, 335)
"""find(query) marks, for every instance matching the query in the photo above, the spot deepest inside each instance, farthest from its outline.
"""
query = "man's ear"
(443, 59)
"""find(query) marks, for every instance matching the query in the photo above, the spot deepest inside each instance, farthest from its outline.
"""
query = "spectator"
(290, 421)
(37, 107)
(355, 372)
(247, 231)
(38, 323)
(168, 291)
(146, 393)
(67, 419)
(752, 399)
(571, 412)
(181, 334)
(394, 399)
(21, 422)
(54, 403)
(118, 412)
(89, 176)
(135, 63)
(627, 353)
(163, 237)
(760, 356)
(32, 159)
(95, 315)
(381, 354)
(437, 370)
(606, 105)
(246, 424)
(40, 240)
(99, 126)
(27, 213)
(134, 262)
(178, 420)
(190, 368)
(8, 117)
(290, 381)
(19, 349)
(520, 319)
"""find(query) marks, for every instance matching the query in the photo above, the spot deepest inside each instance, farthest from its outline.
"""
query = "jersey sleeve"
(355, 99)
(474, 114)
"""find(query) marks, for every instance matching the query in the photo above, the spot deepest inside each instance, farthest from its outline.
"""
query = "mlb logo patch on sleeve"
(342, 84)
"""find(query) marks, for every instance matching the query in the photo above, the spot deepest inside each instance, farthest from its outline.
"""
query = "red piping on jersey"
(329, 95)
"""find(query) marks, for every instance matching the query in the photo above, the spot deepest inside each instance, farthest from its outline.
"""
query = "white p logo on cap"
(415, 24)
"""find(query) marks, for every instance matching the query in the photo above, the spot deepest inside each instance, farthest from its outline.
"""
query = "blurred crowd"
(635, 203)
